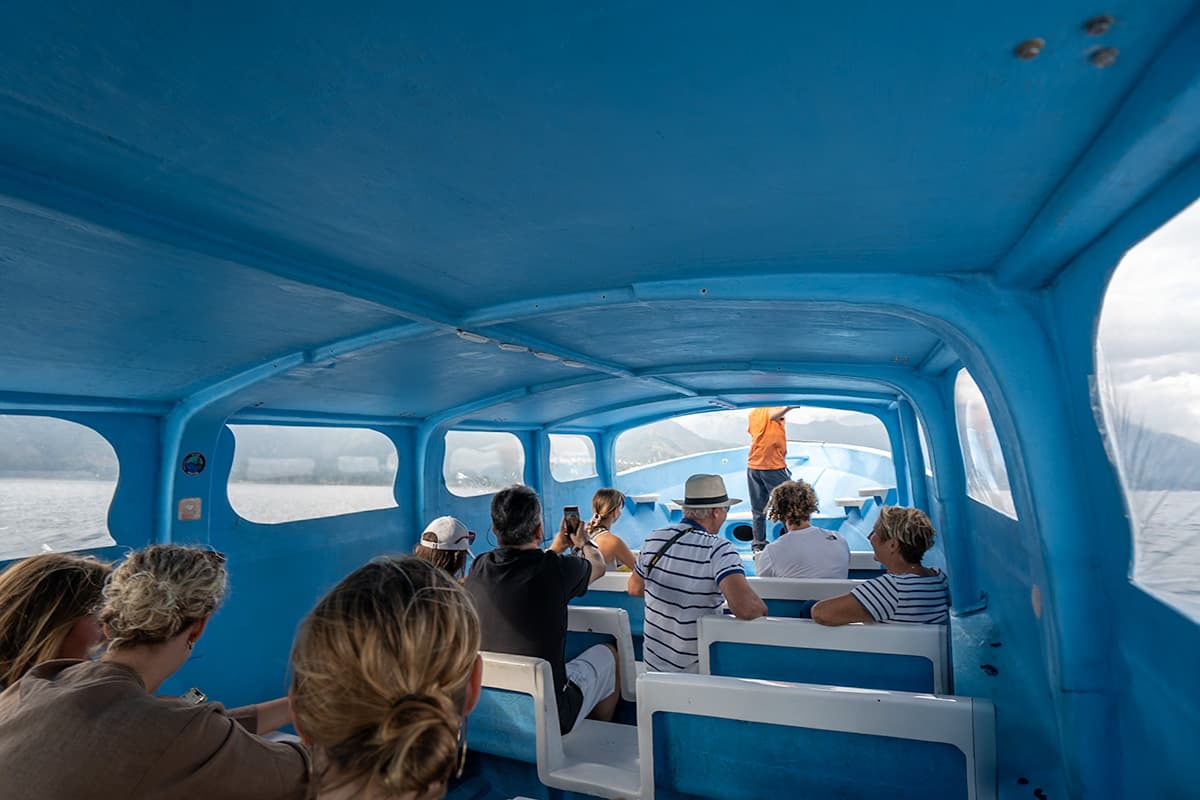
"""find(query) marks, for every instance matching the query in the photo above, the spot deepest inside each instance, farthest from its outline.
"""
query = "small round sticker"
(193, 463)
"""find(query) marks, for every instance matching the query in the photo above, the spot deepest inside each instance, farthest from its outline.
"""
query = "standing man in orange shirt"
(766, 466)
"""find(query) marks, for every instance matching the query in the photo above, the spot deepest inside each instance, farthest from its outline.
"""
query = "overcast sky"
(1150, 327)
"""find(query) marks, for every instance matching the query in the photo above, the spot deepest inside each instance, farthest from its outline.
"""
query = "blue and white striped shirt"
(906, 598)
(682, 587)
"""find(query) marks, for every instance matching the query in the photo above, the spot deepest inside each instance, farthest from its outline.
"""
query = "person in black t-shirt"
(521, 594)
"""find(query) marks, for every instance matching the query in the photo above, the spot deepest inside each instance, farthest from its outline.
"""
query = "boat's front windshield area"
(839, 452)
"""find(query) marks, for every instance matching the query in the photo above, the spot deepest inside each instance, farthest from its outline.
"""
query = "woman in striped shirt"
(907, 592)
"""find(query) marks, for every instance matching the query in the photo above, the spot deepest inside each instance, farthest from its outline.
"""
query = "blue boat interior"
(577, 219)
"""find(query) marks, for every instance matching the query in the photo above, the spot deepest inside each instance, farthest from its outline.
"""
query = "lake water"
(38, 516)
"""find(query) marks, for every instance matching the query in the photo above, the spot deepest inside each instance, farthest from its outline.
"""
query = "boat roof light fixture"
(1098, 25)
(545, 356)
(1104, 57)
(509, 347)
(573, 364)
(1029, 49)
(476, 338)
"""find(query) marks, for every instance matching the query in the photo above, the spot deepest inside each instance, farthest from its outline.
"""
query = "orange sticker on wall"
(189, 509)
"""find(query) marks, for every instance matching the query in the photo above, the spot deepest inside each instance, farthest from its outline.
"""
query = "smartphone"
(194, 696)
(570, 522)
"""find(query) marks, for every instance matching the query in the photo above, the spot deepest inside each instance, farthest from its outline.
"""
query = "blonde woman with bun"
(908, 591)
(49, 608)
(93, 730)
(606, 510)
(385, 670)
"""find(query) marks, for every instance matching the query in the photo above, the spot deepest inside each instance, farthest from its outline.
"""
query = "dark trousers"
(761, 483)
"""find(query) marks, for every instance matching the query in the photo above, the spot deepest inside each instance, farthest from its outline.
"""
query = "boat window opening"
(983, 459)
(284, 473)
(1148, 390)
(808, 429)
(924, 439)
(482, 462)
(572, 457)
(57, 481)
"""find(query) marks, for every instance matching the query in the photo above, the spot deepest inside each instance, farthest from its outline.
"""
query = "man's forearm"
(593, 556)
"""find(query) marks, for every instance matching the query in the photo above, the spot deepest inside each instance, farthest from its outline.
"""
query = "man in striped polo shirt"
(685, 571)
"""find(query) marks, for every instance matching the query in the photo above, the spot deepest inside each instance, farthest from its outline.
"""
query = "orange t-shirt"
(768, 440)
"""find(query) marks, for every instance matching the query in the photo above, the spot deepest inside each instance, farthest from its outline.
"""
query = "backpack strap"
(663, 550)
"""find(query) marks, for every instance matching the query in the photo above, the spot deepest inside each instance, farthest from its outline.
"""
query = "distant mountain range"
(1153, 460)
(668, 439)
(42, 447)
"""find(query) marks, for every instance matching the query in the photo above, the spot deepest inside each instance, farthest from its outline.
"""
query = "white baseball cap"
(451, 535)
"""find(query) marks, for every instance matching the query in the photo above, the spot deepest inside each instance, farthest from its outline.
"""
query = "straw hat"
(706, 491)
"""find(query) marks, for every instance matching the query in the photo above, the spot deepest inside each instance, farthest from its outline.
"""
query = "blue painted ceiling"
(191, 190)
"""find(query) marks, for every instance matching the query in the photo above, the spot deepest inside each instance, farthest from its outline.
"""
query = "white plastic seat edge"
(612, 622)
(610, 582)
(863, 559)
(801, 588)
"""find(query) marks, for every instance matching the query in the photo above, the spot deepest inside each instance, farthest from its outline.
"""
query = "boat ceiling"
(295, 206)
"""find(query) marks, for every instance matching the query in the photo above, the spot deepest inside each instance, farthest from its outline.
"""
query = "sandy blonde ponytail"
(380, 674)
(605, 503)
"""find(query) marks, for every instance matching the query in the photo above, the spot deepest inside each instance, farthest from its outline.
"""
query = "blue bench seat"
(738, 739)
(895, 656)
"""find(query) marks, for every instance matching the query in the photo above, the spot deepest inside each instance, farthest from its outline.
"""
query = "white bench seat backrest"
(517, 718)
(586, 622)
(719, 737)
(517, 714)
(894, 656)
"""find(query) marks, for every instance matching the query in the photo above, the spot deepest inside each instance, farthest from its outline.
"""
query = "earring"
(462, 748)
(191, 643)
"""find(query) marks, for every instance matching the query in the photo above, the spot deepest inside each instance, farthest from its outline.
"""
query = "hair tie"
(417, 698)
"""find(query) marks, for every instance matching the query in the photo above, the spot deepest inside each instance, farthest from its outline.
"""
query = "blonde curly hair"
(793, 503)
(41, 599)
(160, 590)
(380, 674)
(910, 527)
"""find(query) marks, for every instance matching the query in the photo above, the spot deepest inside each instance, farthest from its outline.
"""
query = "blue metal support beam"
(22, 402)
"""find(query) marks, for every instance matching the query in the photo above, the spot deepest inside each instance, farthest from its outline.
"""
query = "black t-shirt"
(521, 596)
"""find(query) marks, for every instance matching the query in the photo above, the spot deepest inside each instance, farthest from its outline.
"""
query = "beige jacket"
(85, 730)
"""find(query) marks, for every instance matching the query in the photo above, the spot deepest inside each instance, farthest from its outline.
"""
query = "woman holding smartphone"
(606, 510)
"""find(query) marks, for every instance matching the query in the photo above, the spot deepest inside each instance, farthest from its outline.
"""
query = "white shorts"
(594, 671)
